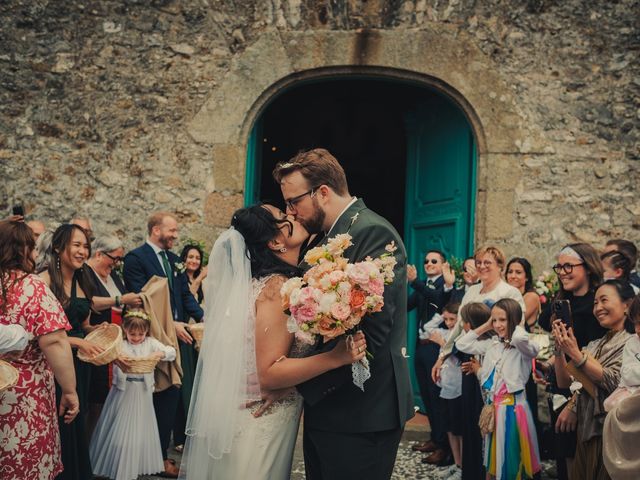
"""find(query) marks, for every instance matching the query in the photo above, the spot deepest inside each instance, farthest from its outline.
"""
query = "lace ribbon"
(360, 372)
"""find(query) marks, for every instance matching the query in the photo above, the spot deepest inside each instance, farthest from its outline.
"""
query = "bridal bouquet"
(334, 295)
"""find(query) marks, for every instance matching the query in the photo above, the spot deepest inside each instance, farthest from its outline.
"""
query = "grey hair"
(107, 243)
(43, 251)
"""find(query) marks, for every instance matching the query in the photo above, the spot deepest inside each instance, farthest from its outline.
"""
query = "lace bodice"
(298, 349)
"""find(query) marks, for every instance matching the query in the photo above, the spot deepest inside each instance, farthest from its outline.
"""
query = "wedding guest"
(519, 276)
(511, 449)
(630, 369)
(126, 443)
(450, 388)
(469, 277)
(28, 411)
(42, 251)
(579, 270)
(489, 265)
(473, 316)
(109, 294)
(617, 266)
(37, 227)
(85, 223)
(192, 257)
(69, 280)
(629, 249)
(598, 365)
(428, 297)
(155, 258)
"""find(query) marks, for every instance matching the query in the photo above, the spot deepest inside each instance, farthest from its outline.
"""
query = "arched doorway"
(408, 151)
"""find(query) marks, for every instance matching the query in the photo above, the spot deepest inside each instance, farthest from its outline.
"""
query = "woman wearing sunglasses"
(109, 294)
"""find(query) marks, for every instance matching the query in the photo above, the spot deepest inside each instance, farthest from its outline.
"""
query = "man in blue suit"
(428, 297)
(155, 258)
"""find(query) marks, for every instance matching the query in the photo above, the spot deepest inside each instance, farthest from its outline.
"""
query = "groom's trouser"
(349, 456)
(165, 403)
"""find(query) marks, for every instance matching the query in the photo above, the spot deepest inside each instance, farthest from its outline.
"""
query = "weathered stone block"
(219, 208)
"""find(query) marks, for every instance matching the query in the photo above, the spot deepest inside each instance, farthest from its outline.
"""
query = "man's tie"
(167, 268)
(429, 283)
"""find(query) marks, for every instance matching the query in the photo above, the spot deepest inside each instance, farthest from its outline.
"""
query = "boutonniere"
(179, 268)
(353, 219)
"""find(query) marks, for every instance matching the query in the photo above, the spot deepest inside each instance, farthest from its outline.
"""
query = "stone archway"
(439, 58)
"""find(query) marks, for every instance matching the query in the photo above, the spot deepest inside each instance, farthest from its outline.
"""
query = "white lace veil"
(225, 377)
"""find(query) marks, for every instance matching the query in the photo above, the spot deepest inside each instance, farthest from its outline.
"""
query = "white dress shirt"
(13, 338)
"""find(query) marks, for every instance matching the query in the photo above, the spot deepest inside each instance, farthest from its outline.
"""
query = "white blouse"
(149, 346)
(512, 361)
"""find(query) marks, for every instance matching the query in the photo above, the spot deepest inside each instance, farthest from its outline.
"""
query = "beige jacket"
(156, 303)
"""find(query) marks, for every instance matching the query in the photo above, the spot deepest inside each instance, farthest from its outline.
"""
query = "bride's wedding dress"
(261, 448)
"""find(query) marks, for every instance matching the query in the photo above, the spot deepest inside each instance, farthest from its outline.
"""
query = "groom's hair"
(318, 167)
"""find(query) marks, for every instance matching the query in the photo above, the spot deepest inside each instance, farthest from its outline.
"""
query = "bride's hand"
(350, 349)
(270, 396)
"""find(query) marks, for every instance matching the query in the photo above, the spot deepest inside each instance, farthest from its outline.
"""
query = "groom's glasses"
(292, 202)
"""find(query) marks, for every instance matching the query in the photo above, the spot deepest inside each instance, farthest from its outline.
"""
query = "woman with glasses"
(109, 295)
(579, 270)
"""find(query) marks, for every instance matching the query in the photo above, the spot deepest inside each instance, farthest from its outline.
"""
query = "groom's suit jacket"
(332, 401)
(142, 263)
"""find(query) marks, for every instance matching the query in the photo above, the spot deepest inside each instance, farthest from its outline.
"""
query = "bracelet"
(118, 304)
(582, 361)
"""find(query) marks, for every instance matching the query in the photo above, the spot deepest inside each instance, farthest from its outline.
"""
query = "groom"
(349, 433)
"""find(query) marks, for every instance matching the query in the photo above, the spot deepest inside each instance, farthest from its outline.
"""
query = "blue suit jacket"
(142, 263)
(428, 301)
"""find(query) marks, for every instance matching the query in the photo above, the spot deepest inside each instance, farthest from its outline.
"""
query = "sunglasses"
(115, 259)
(565, 267)
(433, 261)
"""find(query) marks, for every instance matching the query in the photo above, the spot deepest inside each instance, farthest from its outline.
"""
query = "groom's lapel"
(346, 220)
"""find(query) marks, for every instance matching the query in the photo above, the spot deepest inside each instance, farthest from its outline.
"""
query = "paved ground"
(408, 463)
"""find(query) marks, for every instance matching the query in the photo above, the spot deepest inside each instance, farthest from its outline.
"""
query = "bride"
(248, 355)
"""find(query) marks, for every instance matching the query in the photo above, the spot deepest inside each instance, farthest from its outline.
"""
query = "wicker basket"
(110, 339)
(8, 376)
(197, 332)
(139, 364)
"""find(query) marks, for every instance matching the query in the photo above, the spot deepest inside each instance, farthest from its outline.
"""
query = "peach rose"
(357, 298)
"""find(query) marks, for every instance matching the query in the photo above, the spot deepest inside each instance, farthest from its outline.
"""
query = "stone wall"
(118, 108)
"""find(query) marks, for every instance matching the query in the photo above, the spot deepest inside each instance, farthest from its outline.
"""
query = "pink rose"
(376, 286)
(305, 313)
(340, 311)
(359, 273)
(357, 299)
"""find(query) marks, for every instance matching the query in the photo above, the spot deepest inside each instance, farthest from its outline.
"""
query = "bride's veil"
(225, 378)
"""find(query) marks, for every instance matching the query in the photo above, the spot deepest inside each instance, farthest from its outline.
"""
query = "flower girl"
(126, 442)
(511, 446)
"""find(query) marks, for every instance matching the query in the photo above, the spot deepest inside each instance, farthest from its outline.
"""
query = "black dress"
(73, 437)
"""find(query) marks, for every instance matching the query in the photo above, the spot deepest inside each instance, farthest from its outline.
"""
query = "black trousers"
(165, 403)
(349, 456)
(425, 358)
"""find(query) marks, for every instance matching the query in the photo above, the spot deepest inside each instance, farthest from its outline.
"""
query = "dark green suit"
(338, 416)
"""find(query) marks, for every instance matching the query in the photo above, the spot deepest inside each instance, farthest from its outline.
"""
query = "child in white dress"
(126, 443)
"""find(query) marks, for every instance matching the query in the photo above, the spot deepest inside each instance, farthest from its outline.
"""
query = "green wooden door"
(440, 188)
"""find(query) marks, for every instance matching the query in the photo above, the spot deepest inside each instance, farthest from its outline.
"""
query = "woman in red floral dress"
(29, 439)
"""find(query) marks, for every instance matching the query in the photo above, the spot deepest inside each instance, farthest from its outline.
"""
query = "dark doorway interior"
(361, 122)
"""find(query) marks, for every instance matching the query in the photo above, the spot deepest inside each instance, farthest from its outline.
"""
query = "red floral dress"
(29, 438)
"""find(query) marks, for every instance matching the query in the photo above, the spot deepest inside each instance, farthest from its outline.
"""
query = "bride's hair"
(258, 227)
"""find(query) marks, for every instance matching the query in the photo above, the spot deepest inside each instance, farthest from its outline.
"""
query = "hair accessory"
(138, 314)
(570, 252)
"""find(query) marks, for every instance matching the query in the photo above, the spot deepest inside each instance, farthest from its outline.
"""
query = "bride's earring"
(283, 249)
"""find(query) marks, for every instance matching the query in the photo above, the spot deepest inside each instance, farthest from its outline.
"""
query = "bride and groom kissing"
(254, 377)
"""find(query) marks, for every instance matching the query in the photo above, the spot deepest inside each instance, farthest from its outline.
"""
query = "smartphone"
(18, 210)
(562, 311)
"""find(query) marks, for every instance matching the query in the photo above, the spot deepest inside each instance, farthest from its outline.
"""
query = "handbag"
(487, 420)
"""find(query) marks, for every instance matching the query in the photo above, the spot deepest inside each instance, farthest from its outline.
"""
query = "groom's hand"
(269, 397)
